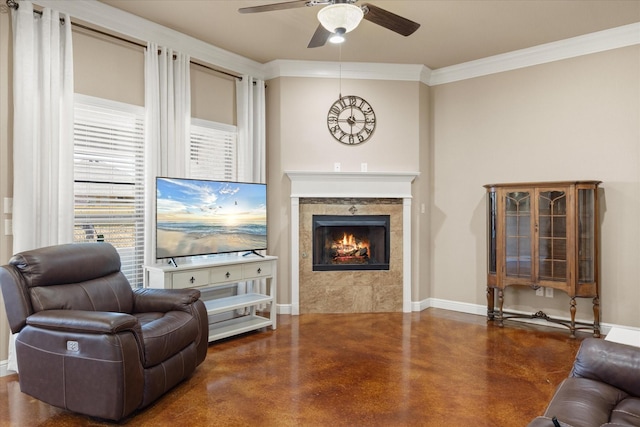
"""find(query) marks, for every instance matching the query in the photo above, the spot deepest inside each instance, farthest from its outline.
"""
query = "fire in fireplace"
(350, 242)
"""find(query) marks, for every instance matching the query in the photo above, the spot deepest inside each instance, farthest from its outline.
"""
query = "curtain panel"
(42, 128)
(167, 126)
(250, 100)
(42, 132)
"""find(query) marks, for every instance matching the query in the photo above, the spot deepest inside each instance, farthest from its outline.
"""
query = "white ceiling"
(451, 32)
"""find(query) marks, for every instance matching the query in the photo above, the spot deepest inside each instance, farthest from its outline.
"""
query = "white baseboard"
(481, 310)
(283, 308)
(3, 369)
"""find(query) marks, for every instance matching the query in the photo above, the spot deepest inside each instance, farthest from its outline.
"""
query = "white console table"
(218, 279)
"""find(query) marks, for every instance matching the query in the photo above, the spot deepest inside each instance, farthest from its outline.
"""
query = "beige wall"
(298, 140)
(277, 189)
(308, 145)
(422, 191)
(567, 120)
(107, 68)
(213, 96)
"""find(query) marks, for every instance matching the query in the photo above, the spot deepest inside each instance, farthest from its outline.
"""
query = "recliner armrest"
(99, 322)
(164, 300)
(609, 362)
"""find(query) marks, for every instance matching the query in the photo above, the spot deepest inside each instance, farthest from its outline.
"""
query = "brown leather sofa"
(89, 343)
(603, 388)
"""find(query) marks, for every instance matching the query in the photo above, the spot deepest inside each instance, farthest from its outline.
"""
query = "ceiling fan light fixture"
(338, 36)
(340, 16)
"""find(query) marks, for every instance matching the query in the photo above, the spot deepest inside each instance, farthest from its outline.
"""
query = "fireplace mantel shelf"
(348, 175)
(350, 185)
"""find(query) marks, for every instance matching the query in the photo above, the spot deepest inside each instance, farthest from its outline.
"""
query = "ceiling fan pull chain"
(340, 72)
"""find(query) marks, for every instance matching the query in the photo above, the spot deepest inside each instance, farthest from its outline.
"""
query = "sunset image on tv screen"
(197, 217)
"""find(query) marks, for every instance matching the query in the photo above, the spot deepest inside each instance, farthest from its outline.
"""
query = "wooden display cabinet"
(543, 235)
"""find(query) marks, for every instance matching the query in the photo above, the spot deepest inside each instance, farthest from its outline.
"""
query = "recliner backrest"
(75, 277)
(609, 362)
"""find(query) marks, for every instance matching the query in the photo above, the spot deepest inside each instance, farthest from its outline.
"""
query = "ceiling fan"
(339, 17)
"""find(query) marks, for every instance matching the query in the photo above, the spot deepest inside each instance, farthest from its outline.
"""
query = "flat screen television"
(203, 217)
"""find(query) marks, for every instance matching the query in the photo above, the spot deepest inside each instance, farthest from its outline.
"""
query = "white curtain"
(42, 129)
(42, 132)
(168, 122)
(250, 99)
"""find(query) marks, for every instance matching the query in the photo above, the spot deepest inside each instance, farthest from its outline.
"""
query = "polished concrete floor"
(432, 368)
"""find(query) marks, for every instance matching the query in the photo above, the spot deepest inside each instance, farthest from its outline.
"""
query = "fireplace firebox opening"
(350, 242)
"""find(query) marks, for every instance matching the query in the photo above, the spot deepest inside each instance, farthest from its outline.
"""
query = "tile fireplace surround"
(369, 192)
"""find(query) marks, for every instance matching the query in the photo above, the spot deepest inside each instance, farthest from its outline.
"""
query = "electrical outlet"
(363, 167)
(336, 167)
(8, 205)
(548, 292)
(540, 292)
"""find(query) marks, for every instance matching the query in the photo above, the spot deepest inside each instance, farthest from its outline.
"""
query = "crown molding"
(137, 28)
(627, 35)
(347, 70)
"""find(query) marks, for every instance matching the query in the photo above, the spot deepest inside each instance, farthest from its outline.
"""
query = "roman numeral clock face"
(351, 120)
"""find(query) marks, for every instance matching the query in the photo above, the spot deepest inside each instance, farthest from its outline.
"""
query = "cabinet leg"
(500, 304)
(596, 317)
(572, 309)
(490, 303)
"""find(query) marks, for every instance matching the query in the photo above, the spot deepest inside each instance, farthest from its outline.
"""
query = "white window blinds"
(213, 151)
(109, 179)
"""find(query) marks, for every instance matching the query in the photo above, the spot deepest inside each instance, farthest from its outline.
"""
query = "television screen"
(200, 217)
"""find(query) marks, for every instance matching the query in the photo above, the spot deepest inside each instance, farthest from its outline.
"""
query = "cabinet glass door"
(492, 232)
(552, 236)
(586, 236)
(518, 234)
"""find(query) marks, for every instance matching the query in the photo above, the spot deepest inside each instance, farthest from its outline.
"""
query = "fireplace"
(350, 242)
(344, 193)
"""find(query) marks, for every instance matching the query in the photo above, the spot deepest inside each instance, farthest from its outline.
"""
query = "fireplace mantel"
(356, 185)
(351, 184)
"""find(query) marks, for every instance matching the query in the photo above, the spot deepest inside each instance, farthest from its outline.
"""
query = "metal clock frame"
(351, 120)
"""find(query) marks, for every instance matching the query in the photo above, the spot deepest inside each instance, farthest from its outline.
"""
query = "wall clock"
(351, 120)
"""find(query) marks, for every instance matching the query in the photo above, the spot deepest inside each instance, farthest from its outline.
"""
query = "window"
(109, 179)
(213, 151)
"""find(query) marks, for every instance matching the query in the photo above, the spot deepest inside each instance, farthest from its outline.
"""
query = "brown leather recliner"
(89, 343)
(603, 388)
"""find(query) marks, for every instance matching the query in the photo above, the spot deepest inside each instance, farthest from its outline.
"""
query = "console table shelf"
(237, 325)
(216, 278)
(220, 305)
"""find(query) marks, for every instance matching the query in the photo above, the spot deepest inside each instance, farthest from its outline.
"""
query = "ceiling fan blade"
(389, 20)
(320, 37)
(274, 6)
